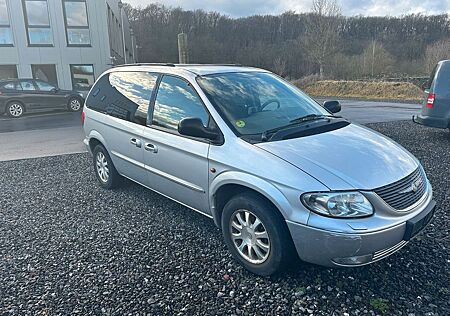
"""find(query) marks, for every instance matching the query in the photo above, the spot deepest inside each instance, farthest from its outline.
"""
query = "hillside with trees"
(322, 42)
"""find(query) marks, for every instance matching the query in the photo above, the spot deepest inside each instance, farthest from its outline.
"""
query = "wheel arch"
(229, 184)
(8, 102)
(95, 138)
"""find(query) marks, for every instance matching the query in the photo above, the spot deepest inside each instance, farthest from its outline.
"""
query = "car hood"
(352, 157)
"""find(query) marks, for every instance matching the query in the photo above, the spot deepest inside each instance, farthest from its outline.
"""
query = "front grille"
(400, 195)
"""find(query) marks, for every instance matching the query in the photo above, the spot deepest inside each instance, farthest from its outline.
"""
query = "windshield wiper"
(308, 118)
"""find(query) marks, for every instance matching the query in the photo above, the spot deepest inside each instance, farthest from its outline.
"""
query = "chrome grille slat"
(388, 251)
(392, 195)
(398, 185)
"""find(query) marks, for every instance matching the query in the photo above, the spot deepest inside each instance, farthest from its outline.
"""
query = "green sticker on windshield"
(240, 123)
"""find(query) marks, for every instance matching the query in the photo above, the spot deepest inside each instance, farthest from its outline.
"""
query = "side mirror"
(332, 106)
(194, 127)
(55, 90)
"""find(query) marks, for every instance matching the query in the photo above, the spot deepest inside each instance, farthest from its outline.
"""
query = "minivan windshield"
(255, 102)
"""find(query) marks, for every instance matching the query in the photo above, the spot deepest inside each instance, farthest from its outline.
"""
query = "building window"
(8, 72)
(5, 28)
(45, 72)
(77, 23)
(37, 22)
(82, 77)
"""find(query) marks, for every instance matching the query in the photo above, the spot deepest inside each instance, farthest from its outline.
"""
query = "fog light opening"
(353, 261)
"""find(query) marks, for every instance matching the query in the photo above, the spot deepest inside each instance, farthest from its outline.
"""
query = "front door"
(30, 95)
(177, 166)
(50, 96)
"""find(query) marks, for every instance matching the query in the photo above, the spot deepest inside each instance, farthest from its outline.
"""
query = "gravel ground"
(69, 247)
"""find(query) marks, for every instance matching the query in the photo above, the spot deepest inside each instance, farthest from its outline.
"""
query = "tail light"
(83, 116)
(430, 100)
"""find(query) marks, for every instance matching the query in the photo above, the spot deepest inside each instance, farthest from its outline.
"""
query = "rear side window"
(125, 95)
(27, 85)
(177, 100)
(45, 86)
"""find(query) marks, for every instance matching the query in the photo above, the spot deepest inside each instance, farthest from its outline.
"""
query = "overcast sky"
(237, 8)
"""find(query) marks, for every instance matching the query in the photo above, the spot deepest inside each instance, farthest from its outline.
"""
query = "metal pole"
(123, 32)
(183, 56)
(133, 45)
(373, 55)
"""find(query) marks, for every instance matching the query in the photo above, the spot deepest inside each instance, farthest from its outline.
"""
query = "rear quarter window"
(9, 86)
(125, 95)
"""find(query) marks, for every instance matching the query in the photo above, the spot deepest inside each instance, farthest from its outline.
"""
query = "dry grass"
(363, 89)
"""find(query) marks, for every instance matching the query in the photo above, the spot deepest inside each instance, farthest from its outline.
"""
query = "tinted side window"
(125, 95)
(9, 86)
(177, 100)
(27, 86)
(44, 86)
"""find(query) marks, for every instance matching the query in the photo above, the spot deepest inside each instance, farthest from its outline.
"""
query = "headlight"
(338, 204)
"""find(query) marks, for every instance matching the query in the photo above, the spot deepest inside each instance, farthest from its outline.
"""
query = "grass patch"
(363, 89)
(380, 304)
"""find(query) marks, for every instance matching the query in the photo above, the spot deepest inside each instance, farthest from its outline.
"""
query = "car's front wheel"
(74, 105)
(106, 173)
(256, 234)
(15, 109)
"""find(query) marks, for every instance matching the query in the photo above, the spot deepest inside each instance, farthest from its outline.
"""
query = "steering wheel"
(265, 104)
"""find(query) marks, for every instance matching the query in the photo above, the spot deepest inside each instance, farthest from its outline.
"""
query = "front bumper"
(333, 249)
(431, 121)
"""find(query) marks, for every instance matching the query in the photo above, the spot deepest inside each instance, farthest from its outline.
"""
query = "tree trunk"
(321, 71)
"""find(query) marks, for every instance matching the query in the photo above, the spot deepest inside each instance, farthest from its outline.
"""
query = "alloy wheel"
(102, 167)
(15, 109)
(249, 236)
(75, 105)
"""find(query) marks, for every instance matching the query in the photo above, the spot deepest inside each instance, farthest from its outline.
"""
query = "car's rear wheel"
(256, 234)
(106, 173)
(74, 105)
(15, 109)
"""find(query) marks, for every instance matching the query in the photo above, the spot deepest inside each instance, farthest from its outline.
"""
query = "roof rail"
(175, 65)
(145, 64)
(234, 65)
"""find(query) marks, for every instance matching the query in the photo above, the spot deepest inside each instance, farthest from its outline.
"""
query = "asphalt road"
(58, 133)
(68, 247)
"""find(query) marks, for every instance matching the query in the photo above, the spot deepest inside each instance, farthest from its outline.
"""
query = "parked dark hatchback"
(20, 96)
(436, 107)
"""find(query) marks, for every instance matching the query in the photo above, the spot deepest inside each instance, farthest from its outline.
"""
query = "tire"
(15, 109)
(74, 105)
(106, 173)
(279, 245)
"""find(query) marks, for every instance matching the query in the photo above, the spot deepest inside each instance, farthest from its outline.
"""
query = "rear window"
(125, 95)
(433, 74)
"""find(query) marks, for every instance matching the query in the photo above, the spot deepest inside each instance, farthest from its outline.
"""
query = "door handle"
(136, 142)
(152, 148)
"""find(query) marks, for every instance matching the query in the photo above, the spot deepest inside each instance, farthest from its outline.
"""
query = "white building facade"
(65, 42)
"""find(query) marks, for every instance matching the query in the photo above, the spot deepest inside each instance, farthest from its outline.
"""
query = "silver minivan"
(277, 172)
(436, 106)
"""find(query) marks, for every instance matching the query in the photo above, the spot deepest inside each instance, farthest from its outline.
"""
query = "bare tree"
(322, 32)
(436, 52)
(279, 66)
